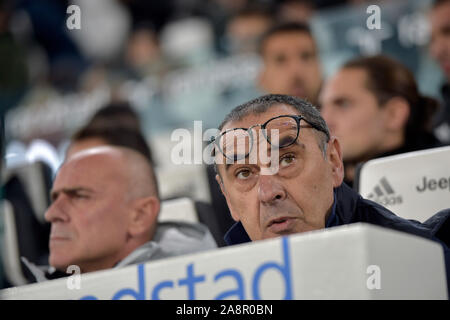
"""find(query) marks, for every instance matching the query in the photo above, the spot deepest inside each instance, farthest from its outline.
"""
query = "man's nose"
(57, 211)
(270, 190)
(296, 67)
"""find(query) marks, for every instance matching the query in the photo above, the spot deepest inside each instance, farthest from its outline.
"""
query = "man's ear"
(220, 182)
(334, 157)
(396, 112)
(144, 216)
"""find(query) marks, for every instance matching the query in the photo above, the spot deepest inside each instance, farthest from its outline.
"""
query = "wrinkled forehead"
(254, 117)
(91, 168)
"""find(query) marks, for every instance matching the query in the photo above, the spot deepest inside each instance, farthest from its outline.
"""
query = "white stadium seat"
(183, 181)
(182, 209)
(413, 185)
(10, 246)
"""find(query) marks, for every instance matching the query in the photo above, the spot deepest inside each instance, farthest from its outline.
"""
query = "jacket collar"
(346, 200)
(236, 235)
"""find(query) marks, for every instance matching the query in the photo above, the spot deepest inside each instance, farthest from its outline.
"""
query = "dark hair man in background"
(440, 50)
(290, 62)
(373, 105)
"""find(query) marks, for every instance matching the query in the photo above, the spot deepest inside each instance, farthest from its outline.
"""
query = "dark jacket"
(352, 208)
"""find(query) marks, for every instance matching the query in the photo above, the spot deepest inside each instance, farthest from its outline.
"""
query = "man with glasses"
(306, 191)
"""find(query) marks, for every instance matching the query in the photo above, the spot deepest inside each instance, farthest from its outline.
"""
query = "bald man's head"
(104, 206)
(133, 167)
(137, 159)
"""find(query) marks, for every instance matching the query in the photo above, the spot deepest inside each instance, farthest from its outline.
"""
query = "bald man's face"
(89, 213)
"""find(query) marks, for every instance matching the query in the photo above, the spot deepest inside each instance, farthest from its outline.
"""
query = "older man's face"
(89, 213)
(297, 198)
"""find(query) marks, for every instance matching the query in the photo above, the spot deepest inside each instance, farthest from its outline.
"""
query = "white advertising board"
(358, 261)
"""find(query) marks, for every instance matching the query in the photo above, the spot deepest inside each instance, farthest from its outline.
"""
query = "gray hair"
(264, 103)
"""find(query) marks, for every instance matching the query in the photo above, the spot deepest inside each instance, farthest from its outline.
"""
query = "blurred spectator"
(115, 124)
(156, 12)
(105, 26)
(89, 137)
(188, 41)
(373, 105)
(143, 54)
(48, 27)
(13, 68)
(290, 62)
(219, 13)
(295, 10)
(440, 50)
(117, 114)
(244, 29)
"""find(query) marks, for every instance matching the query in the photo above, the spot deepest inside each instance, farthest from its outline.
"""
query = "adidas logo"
(384, 194)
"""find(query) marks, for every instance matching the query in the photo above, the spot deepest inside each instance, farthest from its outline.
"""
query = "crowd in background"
(179, 59)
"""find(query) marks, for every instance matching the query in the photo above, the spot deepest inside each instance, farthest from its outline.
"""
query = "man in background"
(290, 62)
(440, 50)
(373, 105)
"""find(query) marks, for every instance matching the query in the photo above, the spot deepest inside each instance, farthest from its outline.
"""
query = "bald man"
(104, 215)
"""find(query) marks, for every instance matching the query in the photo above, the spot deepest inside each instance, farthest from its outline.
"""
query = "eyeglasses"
(280, 132)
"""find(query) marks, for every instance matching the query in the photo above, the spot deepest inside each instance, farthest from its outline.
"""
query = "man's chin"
(60, 263)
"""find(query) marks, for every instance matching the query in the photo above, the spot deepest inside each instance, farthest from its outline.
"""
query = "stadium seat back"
(413, 185)
(26, 233)
(180, 209)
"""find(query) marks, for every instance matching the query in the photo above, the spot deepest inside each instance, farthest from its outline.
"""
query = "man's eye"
(306, 56)
(80, 196)
(280, 59)
(286, 160)
(344, 104)
(243, 174)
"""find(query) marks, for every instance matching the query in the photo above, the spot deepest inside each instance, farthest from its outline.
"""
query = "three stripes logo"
(384, 194)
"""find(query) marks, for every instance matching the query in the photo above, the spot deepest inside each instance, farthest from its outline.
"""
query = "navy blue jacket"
(350, 207)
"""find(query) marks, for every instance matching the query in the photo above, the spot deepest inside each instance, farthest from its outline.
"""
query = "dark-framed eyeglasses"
(280, 132)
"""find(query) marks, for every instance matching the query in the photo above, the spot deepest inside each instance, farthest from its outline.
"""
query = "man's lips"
(281, 224)
(56, 241)
(60, 236)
